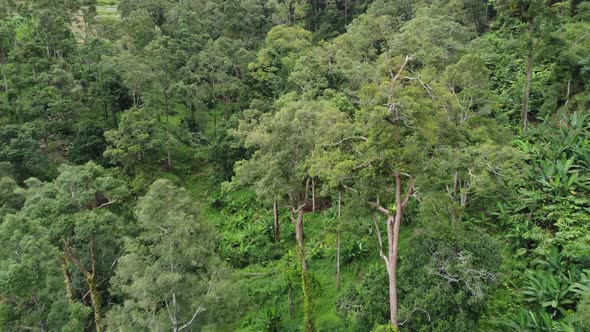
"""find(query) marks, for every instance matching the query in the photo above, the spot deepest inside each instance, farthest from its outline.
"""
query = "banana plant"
(561, 176)
(551, 293)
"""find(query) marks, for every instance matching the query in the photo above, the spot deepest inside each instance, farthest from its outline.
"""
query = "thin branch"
(367, 164)
(406, 60)
(169, 314)
(410, 192)
(347, 139)
(74, 259)
(349, 188)
(380, 208)
(106, 204)
(381, 254)
(428, 90)
(199, 309)
(411, 313)
(299, 207)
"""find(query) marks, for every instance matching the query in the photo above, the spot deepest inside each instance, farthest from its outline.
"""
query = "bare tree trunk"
(567, 95)
(277, 231)
(338, 241)
(527, 85)
(300, 240)
(313, 195)
(394, 221)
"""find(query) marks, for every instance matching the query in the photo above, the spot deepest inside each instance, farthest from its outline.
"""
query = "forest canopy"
(294, 165)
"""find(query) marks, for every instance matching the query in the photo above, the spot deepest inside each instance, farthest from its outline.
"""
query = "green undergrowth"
(265, 270)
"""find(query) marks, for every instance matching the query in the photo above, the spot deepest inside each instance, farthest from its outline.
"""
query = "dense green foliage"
(221, 165)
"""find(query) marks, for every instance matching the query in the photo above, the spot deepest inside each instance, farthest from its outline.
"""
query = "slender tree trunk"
(277, 231)
(106, 115)
(169, 164)
(173, 316)
(42, 322)
(96, 301)
(455, 185)
(290, 13)
(527, 85)
(567, 95)
(4, 78)
(300, 238)
(338, 241)
(313, 195)
(305, 278)
(114, 115)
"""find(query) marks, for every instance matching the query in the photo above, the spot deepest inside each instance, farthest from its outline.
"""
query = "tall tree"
(278, 168)
(170, 275)
(75, 211)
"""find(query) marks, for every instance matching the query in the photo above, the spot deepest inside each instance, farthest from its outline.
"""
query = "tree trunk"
(114, 115)
(106, 116)
(95, 297)
(345, 12)
(169, 163)
(338, 241)
(90, 277)
(392, 236)
(96, 301)
(300, 240)
(5, 80)
(455, 185)
(67, 279)
(394, 220)
(42, 322)
(175, 326)
(527, 84)
(305, 278)
(277, 231)
(313, 195)
(393, 226)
